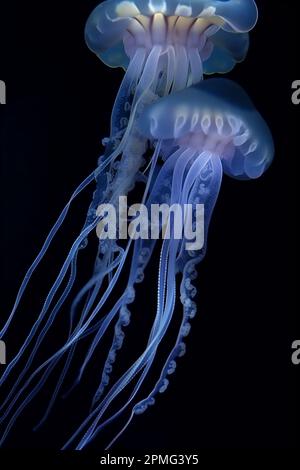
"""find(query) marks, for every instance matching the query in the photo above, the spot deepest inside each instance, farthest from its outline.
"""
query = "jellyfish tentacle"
(43, 250)
(79, 242)
(136, 275)
(169, 307)
(81, 327)
(171, 69)
(132, 75)
(128, 295)
(182, 159)
(96, 281)
(145, 358)
(43, 333)
(51, 363)
(131, 145)
(189, 307)
(196, 65)
(182, 69)
(97, 284)
(144, 248)
(50, 237)
(101, 270)
(187, 291)
(40, 318)
(115, 390)
(129, 375)
(49, 298)
(149, 73)
(168, 166)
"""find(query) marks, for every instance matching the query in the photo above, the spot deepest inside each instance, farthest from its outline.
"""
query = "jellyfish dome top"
(179, 40)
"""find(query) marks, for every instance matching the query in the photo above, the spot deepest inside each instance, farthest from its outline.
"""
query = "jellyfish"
(164, 46)
(212, 128)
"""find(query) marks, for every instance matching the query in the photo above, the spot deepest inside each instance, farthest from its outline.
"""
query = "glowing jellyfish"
(165, 45)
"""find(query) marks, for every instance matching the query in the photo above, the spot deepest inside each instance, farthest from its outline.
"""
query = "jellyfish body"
(168, 43)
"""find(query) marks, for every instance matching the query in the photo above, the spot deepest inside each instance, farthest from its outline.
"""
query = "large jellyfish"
(164, 46)
(211, 128)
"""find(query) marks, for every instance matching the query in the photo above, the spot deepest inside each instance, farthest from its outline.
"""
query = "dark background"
(235, 388)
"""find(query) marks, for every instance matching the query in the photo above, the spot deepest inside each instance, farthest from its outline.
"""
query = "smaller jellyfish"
(217, 116)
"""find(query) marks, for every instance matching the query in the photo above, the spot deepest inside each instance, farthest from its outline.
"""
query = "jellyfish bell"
(216, 116)
(195, 36)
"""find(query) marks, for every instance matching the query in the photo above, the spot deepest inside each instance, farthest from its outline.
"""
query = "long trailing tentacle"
(98, 412)
(155, 334)
(42, 334)
(79, 242)
(96, 281)
(50, 297)
(144, 248)
(136, 275)
(122, 103)
(146, 83)
(159, 193)
(196, 65)
(126, 298)
(182, 69)
(76, 334)
(189, 306)
(143, 75)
